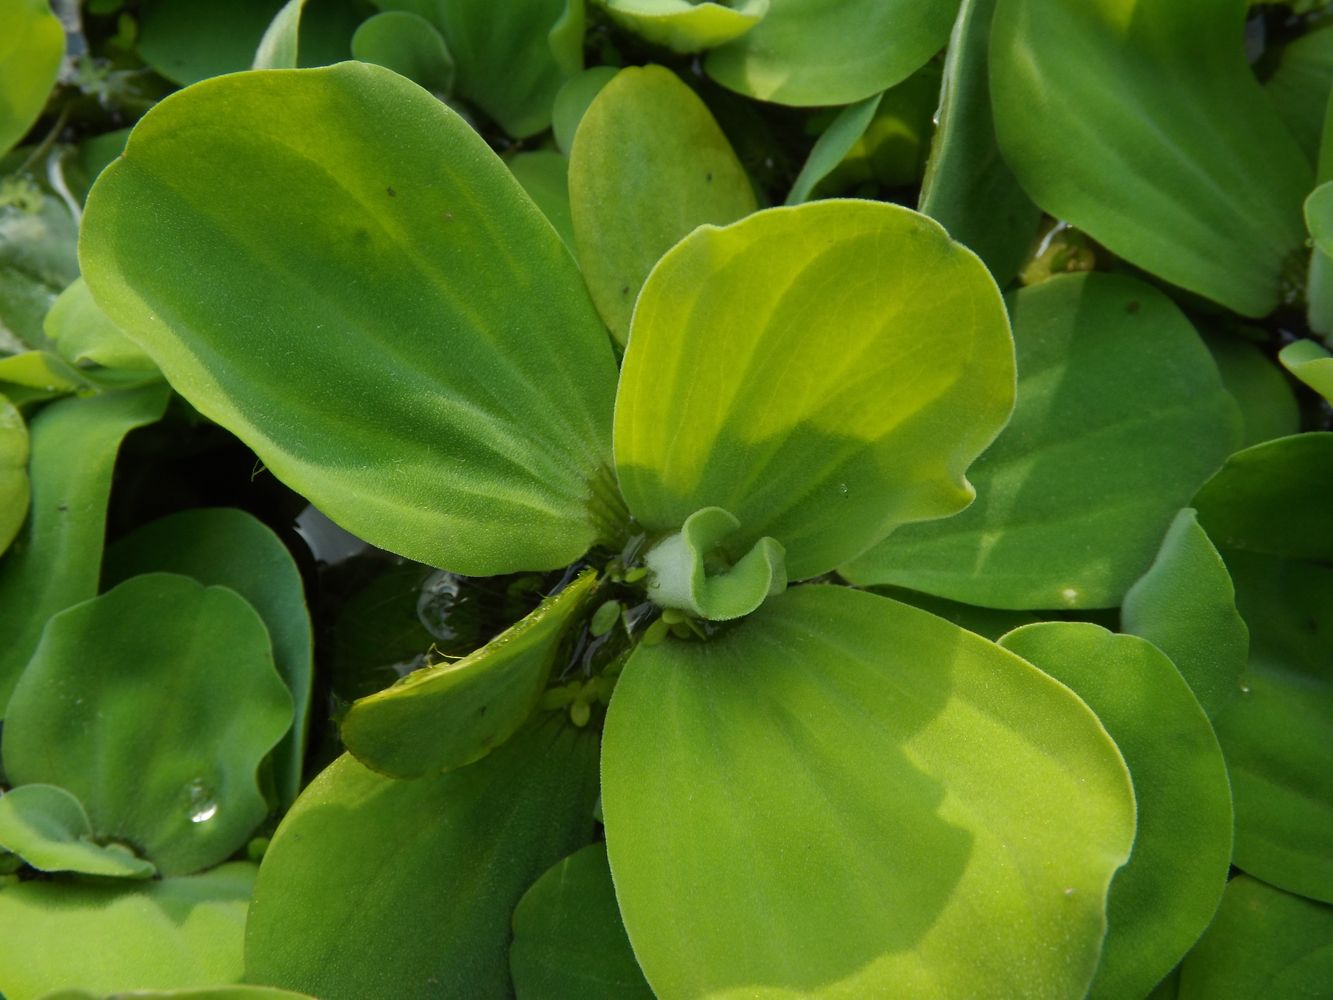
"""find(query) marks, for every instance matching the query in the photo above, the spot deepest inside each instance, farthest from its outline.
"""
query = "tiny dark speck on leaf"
(1312, 625)
(391, 192)
(709, 177)
(1133, 307)
(62, 507)
(482, 710)
(624, 290)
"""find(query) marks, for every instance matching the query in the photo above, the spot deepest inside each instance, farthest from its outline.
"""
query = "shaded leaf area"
(1268, 406)
(197, 662)
(1299, 86)
(868, 784)
(1166, 894)
(378, 887)
(230, 548)
(728, 396)
(1263, 943)
(37, 261)
(49, 829)
(14, 498)
(544, 175)
(55, 560)
(1278, 733)
(208, 993)
(1120, 417)
(153, 935)
(409, 45)
(837, 140)
(569, 943)
(424, 364)
(1142, 124)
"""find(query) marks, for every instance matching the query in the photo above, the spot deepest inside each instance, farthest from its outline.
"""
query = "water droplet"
(842, 488)
(1069, 891)
(200, 803)
(1244, 688)
(1069, 596)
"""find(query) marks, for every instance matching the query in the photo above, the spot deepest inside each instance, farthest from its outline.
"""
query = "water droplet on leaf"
(200, 802)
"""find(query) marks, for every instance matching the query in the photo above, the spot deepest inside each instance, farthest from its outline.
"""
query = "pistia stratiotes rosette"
(828, 793)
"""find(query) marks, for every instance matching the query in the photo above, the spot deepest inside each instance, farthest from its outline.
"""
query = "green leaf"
(1185, 605)
(374, 887)
(544, 175)
(49, 828)
(391, 325)
(1120, 417)
(30, 55)
(1319, 217)
(843, 796)
(683, 574)
(1264, 943)
(1273, 498)
(230, 548)
(1166, 894)
(207, 993)
(14, 497)
(968, 187)
(43, 374)
(278, 46)
(1299, 86)
(83, 334)
(107, 938)
(1310, 363)
(990, 623)
(572, 101)
(569, 943)
(452, 714)
(196, 662)
(833, 144)
(1278, 735)
(728, 397)
(409, 45)
(1142, 124)
(816, 52)
(37, 261)
(633, 196)
(1267, 404)
(686, 25)
(55, 560)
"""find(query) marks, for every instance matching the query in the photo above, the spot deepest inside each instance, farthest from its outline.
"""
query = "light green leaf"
(44, 375)
(452, 714)
(900, 807)
(207, 993)
(1120, 417)
(1141, 123)
(685, 569)
(278, 46)
(632, 194)
(1278, 735)
(154, 704)
(409, 45)
(230, 548)
(1267, 404)
(177, 932)
(569, 943)
(1310, 363)
(728, 397)
(1299, 86)
(572, 101)
(380, 888)
(391, 324)
(1274, 498)
(834, 143)
(14, 498)
(30, 54)
(83, 334)
(816, 52)
(544, 174)
(968, 188)
(1319, 216)
(1264, 943)
(1166, 894)
(686, 25)
(1185, 605)
(49, 828)
(55, 560)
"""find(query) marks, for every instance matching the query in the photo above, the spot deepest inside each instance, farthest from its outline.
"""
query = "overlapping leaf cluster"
(831, 498)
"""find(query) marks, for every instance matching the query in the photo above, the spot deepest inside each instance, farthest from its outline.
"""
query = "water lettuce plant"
(901, 571)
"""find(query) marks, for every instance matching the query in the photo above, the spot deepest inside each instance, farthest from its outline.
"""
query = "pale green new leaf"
(278, 46)
(31, 49)
(112, 938)
(1141, 123)
(55, 560)
(687, 25)
(14, 499)
(1185, 605)
(154, 704)
(340, 271)
(374, 887)
(825, 373)
(691, 570)
(407, 44)
(222, 547)
(632, 193)
(569, 942)
(83, 334)
(49, 829)
(817, 52)
(1310, 363)
(1166, 894)
(842, 796)
(1264, 943)
(454, 713)
(1121, 416)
